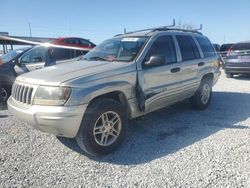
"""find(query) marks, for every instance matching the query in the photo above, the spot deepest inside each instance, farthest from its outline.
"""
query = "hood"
(58, 74)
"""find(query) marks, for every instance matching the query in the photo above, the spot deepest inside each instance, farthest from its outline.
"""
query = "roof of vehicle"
(61, 38)
(243, 42)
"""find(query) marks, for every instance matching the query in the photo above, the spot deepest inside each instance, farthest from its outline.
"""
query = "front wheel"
(103, 127)
(202, 96)
(6, 92)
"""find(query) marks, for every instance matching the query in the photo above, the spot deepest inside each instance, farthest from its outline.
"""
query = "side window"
(61, 54)
(163, 46)
(35, 55)
(75, 41)
(188, 48)
(84, 42)
(206, 46)
(67, 41)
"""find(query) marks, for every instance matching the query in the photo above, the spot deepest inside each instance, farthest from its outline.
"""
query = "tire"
(6, 92)
(101, 141)
(229, 75)
(202, 97)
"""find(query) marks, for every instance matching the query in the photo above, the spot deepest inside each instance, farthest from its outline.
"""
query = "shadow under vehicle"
(171, 129)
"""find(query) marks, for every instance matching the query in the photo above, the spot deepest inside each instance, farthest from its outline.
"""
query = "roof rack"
(166, 28)
(151, 29)
(177, 29)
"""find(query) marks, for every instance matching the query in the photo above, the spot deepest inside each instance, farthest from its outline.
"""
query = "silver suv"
(123, 78)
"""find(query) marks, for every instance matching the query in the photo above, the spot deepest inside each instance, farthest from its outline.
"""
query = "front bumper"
(59, 120)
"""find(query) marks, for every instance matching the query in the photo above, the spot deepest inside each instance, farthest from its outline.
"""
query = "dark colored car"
(74, 42)
(29, 60)
(7, 73)
(238, 59)
(216, 47)
(224, 49)
(35, 58)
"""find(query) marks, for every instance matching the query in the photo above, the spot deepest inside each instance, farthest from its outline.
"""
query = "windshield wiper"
(96, 58)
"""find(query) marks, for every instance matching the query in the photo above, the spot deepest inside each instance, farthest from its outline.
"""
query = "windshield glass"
(10, 55)
(117, 49)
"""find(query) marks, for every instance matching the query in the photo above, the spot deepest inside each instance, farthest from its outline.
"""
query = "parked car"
(35, 58)
(238, 59)
(224, 49)
(123, 78)
(74, 42)
(7, 73)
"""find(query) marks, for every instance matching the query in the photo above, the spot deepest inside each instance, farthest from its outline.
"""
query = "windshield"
(11, 55)
(117, 49)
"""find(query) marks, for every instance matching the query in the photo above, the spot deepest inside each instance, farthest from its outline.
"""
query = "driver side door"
(161, 85)
(32, 60)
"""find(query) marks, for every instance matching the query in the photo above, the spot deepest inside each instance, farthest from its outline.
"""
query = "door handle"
(201, 64)
(174, 70)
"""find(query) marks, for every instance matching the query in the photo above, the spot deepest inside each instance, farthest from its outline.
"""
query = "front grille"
(22, 93)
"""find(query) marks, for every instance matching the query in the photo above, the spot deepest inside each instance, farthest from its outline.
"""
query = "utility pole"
(30, 30)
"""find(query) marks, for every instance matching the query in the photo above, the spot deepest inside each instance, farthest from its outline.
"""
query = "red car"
(74, 42)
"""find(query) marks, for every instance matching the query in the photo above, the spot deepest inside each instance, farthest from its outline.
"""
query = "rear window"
(206, 46)
(241, 46)
(188, 48)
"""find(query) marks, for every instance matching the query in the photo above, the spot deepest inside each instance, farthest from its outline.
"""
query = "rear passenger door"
(161, 85)
(190, 61)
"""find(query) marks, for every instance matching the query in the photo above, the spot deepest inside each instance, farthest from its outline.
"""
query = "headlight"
(51, 96)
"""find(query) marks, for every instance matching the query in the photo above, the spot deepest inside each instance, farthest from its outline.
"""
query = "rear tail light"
(230, 51)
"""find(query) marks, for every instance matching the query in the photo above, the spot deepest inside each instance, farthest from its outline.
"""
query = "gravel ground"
(173, 147)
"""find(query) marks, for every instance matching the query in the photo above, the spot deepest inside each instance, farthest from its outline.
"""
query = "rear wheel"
(202, 96)
(103, 127)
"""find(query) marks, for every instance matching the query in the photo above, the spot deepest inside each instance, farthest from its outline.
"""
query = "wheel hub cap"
(107, 128)
(205, 93)
(4, 95)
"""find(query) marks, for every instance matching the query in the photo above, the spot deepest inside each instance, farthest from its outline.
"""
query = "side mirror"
(17, 62)
(154, 61)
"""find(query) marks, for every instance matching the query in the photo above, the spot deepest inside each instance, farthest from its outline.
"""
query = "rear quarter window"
(189, 50)
(206, 46)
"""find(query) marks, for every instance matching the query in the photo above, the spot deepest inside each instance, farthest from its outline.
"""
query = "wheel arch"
(118, 96)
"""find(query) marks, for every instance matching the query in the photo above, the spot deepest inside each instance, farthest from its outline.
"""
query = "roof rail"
(177, 29)
(166, 28)
(149, 29)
